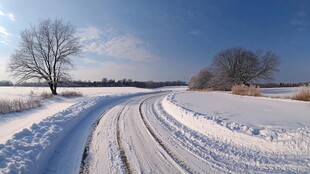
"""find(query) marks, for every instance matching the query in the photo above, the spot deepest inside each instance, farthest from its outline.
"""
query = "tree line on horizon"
(103, 83)
(140, 84)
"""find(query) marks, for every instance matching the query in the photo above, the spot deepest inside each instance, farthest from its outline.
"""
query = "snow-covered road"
(138, 133)
(138, 136)
(129, 138)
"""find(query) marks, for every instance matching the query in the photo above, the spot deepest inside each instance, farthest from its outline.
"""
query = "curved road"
(130, 139)
(138, 136)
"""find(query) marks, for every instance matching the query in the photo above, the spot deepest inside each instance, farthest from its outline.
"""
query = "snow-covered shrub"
(17, 105)
(245, 90)
(303, 94)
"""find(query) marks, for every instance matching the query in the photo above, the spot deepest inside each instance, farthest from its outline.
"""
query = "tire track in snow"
(119, 142)
(84, 168)
(229, 158)
(182, 164)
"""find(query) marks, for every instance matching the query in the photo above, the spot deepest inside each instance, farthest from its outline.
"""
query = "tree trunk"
(53, 88)
(54, 92)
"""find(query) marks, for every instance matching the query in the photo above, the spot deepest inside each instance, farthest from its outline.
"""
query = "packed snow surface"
(271, 124)
(57, 142)
(258, 112)
(153, 134)
(157, 131)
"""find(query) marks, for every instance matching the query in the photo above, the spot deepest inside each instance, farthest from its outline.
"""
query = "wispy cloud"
(300, 21)
(112, 69)
(11, 17)
(195, 32)
(4, 35)
(4, 32)
(1, 13)
(110, 43)
(89, 33)
(88, 61)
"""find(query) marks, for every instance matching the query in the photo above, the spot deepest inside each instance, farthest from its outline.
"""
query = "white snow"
(279, 92)
(258, 112)
(32, 150)
(172, 88)
(168, 138)
(213, 132)
(263, 123)
(30, 92)
(15, 122)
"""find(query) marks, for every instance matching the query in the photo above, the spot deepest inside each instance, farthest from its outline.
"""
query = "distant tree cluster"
(236, 66)
(109, 83)
(201, 80)
(6, 83)
(280, 85)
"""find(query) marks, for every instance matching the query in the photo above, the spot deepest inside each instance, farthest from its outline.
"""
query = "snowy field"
(279, 92)
(166, 130)
(29, 92)
(275, 120)
(257, 112)
(15, 122)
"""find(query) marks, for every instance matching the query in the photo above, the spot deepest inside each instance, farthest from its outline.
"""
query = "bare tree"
(45, 53)
(201, 80)
(243, 66)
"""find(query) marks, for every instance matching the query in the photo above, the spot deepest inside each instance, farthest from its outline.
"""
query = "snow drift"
(30, 150)
(287, 140)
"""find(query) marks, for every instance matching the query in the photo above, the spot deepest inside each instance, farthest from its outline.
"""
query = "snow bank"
(16, 92)
(12, 123)
(215, 125)
(29, 150)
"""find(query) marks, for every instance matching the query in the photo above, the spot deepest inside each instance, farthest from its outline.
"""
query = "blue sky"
(166, 40)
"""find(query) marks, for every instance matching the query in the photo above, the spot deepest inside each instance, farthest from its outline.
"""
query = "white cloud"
(89, 33)
(195, 32)
(4, 35)
(111, 44)
(300, 21)
(87, 60)
(113, 70)
(1, 13)
(3, 31)
(11, 17)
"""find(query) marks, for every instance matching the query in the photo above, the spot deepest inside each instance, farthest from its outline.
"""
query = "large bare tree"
(242, 66)
(45, 53)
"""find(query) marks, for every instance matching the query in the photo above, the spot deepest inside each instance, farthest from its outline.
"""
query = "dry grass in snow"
(46, 95)
(71, 94)
(17, 105)
(245, 90)
(302, 94)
